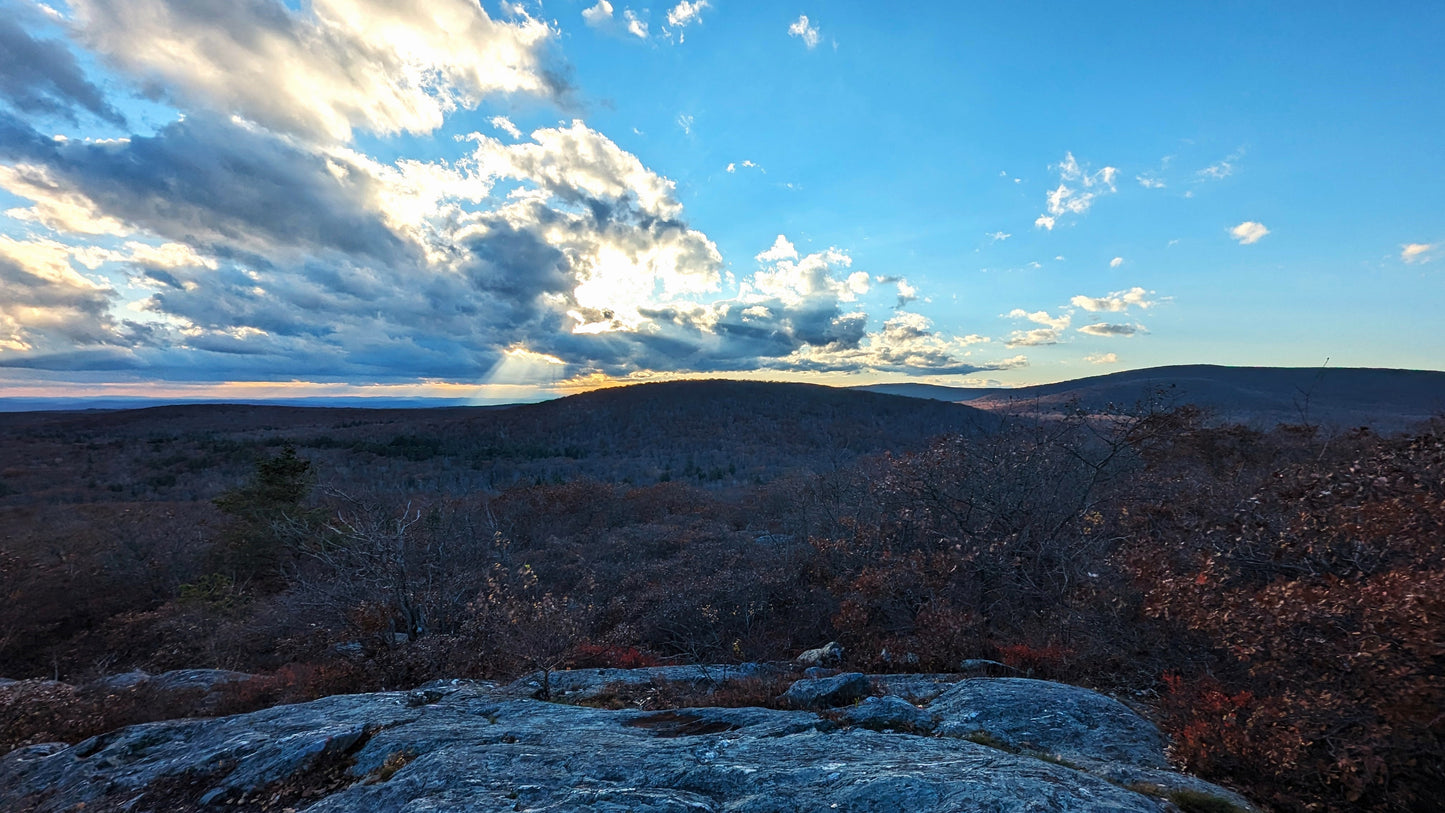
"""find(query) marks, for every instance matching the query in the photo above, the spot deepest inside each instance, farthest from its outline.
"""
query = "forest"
(1273, 599)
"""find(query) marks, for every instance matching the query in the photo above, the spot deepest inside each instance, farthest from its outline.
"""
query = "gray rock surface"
(577, 685)
(888, 713)
(193, 689)
(465, 746)
(1051, 718)
(916, 688)
(825, 693)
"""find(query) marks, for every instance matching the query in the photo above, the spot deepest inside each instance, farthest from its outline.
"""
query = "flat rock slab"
(474, 747)
(1036, 715)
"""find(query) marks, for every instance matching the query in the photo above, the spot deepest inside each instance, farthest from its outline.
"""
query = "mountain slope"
(1384, 399)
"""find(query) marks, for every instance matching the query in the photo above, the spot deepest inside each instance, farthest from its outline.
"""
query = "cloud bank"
(251, 238)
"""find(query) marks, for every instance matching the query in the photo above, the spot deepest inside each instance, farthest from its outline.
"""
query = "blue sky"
(499, 201)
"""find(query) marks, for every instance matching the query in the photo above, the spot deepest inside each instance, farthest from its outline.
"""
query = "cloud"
(383, 66)
(251, 240)
(1059, 322)
(795, 280)
(54, 206)
(48, 306)
(203, 180)
(42, 76)
(1249, 232)
(1116, 262)
(1033, 338)
(685, 13)
(806, 31)
(1149, 182)
(782, 249)
(636, 26)
(1102, 358)
(998, 236)
(1051, 333)
(1116, 302)
(1220, 169)
(1077, 199)
(906, 293)
(341, 266)
(1103, 329)
(505, 125)
(685, 122)
(1417, 252)
(733, 167)
(598, 16)
(907, 343)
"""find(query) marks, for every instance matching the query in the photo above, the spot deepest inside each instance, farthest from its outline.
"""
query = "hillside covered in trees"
(1273, 599)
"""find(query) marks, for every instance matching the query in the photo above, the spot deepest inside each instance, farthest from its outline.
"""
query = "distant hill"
(1386, 400)
(714, 433)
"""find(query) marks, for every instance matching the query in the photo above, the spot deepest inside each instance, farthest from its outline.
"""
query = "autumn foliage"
(1324, 594)
(1274, 599)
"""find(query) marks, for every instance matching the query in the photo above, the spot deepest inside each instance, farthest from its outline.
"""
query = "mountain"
(717, 433)
(1384, 399)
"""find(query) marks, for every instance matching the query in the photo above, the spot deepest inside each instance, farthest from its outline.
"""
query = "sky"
(506, 201)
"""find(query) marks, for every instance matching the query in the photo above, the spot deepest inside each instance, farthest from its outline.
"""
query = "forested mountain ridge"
(1383, 399)
(719, 433)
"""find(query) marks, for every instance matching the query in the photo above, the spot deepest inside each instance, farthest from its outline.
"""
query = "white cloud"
(166, 255)
(685, 122)
(1116, 262)
(733, 167)
(384, 66)
(906, 293)
(794, 280)
(1102, 358)
(505, 125)
(1220, 169)
(636, 26)
(1417, 252)
(1116, 302)
(1059, 322)
(805, 30)
(1051, 333)
(564, 160)
(998, 236)
(781, 249)
(1076, 199)
(1249, 232)
(685, 13)
(599, 15)
(907, 343)
(1149, 182)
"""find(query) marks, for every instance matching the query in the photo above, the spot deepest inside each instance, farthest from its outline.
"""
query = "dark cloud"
(102, 359)
(40, 76)
(1105, 329)
(212, 183)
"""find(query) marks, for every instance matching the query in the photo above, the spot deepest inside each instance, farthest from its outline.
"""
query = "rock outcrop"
(981, 744)
(827, 692)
